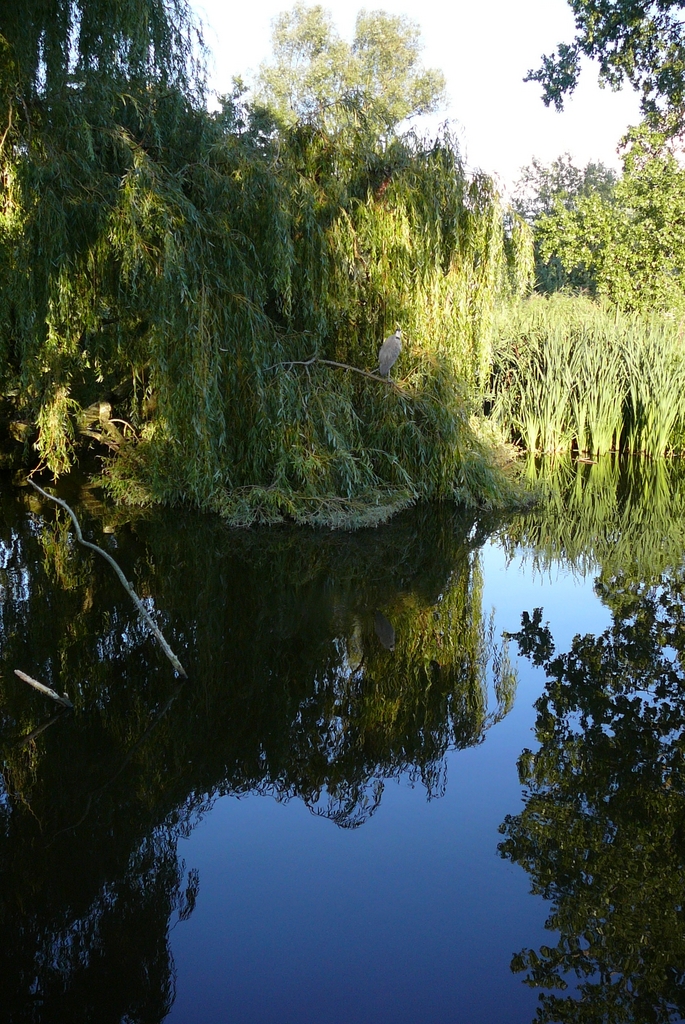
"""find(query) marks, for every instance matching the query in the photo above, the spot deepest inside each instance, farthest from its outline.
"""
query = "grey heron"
(390, 350)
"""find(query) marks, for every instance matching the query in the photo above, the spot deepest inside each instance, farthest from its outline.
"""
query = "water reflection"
(293, 692)
(320, 667)
(621, 515)
(602, 832)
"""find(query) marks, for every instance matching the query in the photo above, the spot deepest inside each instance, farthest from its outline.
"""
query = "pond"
(432, 772)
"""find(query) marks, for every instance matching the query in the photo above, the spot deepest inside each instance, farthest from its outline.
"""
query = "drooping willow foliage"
(170, 263)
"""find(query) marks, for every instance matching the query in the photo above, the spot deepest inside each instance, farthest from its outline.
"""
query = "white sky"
(484, 48)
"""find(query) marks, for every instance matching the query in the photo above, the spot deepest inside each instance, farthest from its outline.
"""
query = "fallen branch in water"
(124, 582)
(64, 700)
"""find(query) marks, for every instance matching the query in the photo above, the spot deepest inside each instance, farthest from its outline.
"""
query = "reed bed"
(569, 373)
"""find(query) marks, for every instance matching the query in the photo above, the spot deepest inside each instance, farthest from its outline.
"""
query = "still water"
(426, 773)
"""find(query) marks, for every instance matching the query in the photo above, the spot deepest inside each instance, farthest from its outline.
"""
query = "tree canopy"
(544, 189)
(540, 185)
(317, 77)
(641, 42)
(625, 243)
(51, 47)
(177, 267)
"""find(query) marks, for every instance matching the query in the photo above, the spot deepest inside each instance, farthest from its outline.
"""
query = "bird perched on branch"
(390, 350)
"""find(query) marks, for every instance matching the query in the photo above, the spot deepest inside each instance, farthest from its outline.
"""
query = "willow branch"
(26, 112)
(330, 362)
(64, 701)
(124, 582)
(7, 130)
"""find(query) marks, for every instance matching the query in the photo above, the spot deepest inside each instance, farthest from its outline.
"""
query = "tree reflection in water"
(291, 693)
(602, 833)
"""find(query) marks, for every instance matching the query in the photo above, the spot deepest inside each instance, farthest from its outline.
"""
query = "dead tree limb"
(124, 582)
(340, 366)
(64, 700)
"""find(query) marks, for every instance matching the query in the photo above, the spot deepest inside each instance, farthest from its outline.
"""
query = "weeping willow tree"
(171, 282)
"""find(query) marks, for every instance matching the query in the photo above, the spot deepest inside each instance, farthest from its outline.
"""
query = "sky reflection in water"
(412, 917)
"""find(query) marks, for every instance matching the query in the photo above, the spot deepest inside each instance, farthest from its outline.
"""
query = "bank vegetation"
(189, 295)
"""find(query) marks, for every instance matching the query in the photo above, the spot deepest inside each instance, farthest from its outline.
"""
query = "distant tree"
(317, 77)
(629, 245)
(541, 190)
(638, 41)
(541, 185)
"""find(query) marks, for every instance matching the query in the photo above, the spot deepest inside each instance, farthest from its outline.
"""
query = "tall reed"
(569, 372)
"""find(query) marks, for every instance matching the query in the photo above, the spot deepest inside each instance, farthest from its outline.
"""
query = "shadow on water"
(602, 832)
(320, 666)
